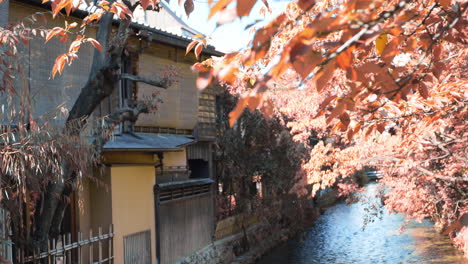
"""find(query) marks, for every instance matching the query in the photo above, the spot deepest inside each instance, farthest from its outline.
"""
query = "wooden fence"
(95, 249)
(186, 224)
(6, 252)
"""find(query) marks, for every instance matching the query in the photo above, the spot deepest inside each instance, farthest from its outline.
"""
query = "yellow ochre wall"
(94, 208)
(176, 158)
(132, 205)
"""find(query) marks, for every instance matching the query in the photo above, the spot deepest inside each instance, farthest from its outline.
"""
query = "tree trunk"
(102, 81)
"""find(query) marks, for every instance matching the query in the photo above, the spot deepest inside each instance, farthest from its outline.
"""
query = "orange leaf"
(244, 7)
(59, 64)
(53, 32)
(75, 45)
(198, 49)
(95, 44)
(228, 74)
(344, 60)
(93, 17)
(381, 43)
(444, 3)
(238, 110)
(120, 10)
(369, 130)
(190, 46)
(253, 101)
(221, 4)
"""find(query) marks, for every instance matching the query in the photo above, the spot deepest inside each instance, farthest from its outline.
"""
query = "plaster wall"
(132, 205)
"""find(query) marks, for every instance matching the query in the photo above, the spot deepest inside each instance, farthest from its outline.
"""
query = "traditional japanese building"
(156, 185)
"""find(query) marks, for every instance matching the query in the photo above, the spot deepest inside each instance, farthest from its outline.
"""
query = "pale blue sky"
(228, 37)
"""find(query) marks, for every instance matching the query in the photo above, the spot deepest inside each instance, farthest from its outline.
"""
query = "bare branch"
(159, 83)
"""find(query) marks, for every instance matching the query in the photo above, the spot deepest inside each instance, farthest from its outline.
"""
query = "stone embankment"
(233, 244)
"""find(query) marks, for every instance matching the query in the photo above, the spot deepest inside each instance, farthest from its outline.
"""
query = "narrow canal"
(338, 237)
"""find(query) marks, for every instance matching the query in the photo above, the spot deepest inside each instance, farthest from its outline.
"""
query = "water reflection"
(338, 237)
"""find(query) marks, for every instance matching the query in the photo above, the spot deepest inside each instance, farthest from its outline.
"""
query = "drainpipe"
(157, 208)
(4, 10)
(157, 226)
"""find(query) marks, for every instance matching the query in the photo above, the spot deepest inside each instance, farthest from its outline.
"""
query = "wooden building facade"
(156, 188)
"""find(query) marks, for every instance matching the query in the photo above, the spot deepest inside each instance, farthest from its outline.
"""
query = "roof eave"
(162, 37)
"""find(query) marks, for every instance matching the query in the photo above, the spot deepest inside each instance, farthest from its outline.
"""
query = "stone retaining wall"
(238, 248)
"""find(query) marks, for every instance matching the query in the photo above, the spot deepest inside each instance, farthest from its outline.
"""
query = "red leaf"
(345, 120)
(188, 7)
(244, 7)
(423, 91)
(305, 4)
(322, 78)
(381, 127)
(145, 3)
(304, 59)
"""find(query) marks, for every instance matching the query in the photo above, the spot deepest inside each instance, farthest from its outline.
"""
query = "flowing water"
(338, 237)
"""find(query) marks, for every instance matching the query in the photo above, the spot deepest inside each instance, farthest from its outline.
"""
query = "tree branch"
(159, 83)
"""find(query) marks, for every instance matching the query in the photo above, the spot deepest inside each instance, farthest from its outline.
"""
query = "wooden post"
(90, 247)
(100, 244)
(111, 239)
(80, 238)
(69, 257)
(54, 259)
(64, 255)
(49, 257)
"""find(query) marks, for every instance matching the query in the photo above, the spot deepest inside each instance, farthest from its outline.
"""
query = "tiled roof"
(147, 142)
(83, 11)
